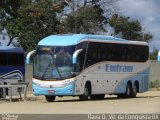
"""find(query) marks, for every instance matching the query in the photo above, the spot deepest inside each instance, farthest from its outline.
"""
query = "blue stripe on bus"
(67, 90)
(7, 69)
(121, 87)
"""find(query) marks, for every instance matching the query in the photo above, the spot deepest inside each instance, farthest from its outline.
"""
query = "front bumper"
(64, 91)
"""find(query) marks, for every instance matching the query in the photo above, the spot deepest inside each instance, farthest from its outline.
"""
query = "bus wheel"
(134, 90)
(87, 93)
(128, 90)
(50, 98)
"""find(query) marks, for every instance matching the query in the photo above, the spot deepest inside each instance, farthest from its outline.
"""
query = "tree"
(153, 55)
(36, 21)
(130, 29)
(32, 21)
(88, 19)
(86, 16)
(92, 16)
(8, 13)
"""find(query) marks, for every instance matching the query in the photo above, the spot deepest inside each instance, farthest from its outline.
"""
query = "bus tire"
(128, 93)
(87, 92)
(134, 90)
(50, 98)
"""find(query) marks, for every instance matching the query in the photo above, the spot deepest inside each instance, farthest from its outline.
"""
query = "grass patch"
(154, 75)
(154, 84)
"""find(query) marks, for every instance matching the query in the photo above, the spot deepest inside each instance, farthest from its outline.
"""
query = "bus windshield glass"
(53, 63)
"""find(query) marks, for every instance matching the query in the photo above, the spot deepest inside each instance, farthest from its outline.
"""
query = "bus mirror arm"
(29, 55)
(75, 55)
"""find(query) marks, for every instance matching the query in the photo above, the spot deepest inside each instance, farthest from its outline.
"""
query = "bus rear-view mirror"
(75, 55)
(29, 55)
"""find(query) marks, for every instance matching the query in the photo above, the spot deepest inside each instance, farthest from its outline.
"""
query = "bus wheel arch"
(87, 91)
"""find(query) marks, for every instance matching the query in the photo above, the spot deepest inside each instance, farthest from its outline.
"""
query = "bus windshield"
(53, 63)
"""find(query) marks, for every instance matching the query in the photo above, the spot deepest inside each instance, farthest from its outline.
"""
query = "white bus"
(89, 66)
(158, 57)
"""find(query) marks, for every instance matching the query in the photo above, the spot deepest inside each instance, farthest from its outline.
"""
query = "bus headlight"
(66, 82)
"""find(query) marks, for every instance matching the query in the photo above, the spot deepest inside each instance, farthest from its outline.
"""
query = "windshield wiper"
(58, 72)
(46, 70)
(57, 67)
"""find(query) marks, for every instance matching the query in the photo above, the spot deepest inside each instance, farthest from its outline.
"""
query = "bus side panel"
(12, 74)
(142, 78)
(93, 75)
(105, 78)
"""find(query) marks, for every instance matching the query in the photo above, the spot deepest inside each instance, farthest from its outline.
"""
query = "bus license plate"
(51, 91)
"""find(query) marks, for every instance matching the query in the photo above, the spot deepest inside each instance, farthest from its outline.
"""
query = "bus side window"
(110, 52)
(20, 59)
(12, 59)
(3, 59)
(90, 55)
(80, 62)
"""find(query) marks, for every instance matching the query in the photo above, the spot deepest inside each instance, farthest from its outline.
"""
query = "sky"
(147, 12)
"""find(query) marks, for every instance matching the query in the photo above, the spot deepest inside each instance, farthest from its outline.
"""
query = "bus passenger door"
(95, 76)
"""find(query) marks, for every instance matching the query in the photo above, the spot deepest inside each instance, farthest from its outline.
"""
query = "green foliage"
(31, 22)
(153, 55)
(8, 15)
(36, 21)
(87, 19)
(130, 29)
(9, 7)
(154, 84)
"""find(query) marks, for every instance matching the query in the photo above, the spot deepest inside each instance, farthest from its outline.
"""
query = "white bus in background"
(89, 66)
(158, 57)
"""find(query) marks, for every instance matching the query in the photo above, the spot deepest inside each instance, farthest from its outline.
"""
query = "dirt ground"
(148, 102)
